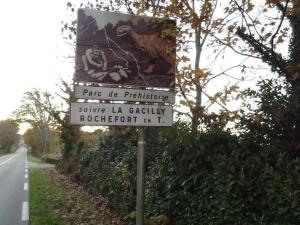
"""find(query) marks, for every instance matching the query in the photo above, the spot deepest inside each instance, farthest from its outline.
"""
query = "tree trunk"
(295, 68)
(197, 108)
(46, 141)
(295, 41)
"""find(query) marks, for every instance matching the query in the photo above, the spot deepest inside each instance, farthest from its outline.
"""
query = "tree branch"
(233, 49)
(218, 103)
(279, 26)
(267, 55)
(252, 20)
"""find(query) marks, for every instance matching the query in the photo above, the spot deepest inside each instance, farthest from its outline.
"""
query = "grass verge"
(42, 207)
(2, 153)
(55, 200)
(34, 159)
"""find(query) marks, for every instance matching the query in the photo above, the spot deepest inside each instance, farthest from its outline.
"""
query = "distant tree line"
(8, 134)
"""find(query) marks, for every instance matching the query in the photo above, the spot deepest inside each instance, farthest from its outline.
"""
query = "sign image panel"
(127, 50)
(124, 94)
(121, 115)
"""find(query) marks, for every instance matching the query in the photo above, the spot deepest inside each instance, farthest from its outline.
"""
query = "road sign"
(124, 94)
(121, 114)
(115, 48)
(125, 51)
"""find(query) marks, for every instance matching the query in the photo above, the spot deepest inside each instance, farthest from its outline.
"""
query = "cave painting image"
(114, 48)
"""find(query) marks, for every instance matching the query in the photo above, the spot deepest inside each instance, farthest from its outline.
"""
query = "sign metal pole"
(140, 197)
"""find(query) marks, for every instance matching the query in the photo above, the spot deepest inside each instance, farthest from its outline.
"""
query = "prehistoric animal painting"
(120, 49)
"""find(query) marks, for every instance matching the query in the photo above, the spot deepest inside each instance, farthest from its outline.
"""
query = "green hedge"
(207, 178)
(212, 179)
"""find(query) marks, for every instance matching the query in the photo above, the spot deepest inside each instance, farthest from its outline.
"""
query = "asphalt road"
(14, 206)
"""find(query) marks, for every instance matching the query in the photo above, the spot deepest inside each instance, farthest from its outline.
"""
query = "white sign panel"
(121, 114)
(122, 94)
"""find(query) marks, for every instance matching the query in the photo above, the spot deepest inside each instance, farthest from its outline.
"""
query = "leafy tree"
(198, 28)
(270, 32)
(34, 110)
(33, 138)
(8, 134)
(69, 134)
(40, 111)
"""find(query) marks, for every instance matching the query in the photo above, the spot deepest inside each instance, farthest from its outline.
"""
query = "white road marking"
(26, 186)
(7, 160)
(25, 211)
(26, 176)
(26, 170)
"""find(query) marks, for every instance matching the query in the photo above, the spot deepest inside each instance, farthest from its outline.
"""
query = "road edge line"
(25, 211)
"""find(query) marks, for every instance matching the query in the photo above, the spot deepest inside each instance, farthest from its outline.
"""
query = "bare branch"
(243, 12)
(207, 26)
(243, 15)
(220, 104)
(183, 113)
(233, 49)
(224, 73)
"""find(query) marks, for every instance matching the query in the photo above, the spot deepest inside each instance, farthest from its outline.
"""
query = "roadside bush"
(212, 177)
(180, 184)
(110, 170)
(273, 120)
(51, 160)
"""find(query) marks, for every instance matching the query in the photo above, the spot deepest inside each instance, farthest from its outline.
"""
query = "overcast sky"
(32, 49)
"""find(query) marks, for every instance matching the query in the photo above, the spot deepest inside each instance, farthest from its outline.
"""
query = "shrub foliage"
(212, 177)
